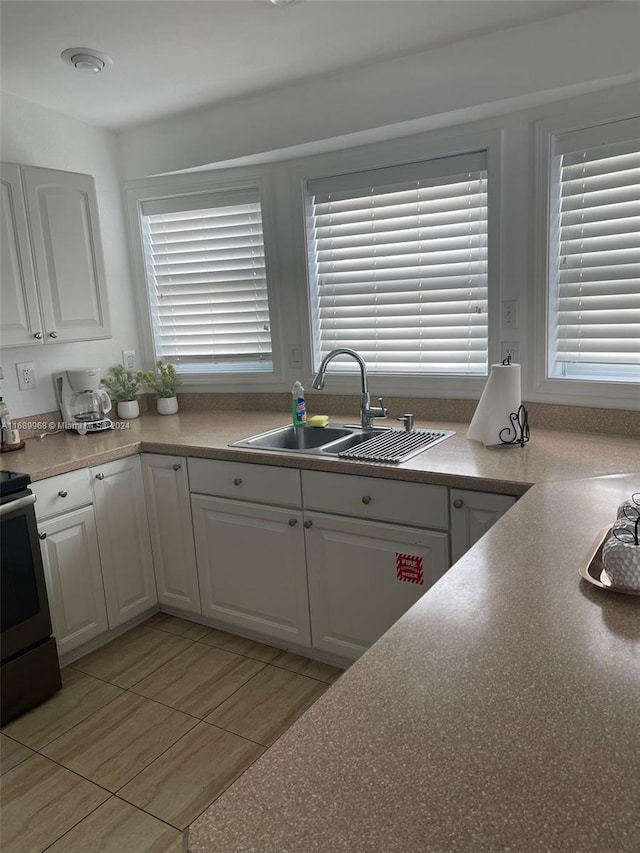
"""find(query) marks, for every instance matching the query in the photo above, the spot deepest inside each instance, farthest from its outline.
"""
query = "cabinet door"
(251, 565)
(18, 296)
(169, 510)
(363, 576)
(67, 253)
(472, 514)
(123, 536)
(73, 575)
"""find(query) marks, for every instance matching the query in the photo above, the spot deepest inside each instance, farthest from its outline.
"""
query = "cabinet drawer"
(245, 481)
(367, 497)
(62, 493)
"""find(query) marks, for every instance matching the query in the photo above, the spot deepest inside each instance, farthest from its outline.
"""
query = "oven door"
(25, 609)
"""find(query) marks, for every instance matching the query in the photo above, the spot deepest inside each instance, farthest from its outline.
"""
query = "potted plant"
(163, 382)
(123, 385)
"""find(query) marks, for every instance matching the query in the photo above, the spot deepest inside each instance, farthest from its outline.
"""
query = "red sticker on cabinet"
(409, 568)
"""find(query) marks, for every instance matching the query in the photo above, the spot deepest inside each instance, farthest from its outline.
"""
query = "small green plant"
(163, 381)
(122, 384)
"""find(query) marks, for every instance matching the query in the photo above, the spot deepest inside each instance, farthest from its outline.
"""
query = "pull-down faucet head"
(318, 381)
(366, 412)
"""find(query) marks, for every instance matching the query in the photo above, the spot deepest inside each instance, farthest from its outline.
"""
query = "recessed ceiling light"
(281, 2)
(86, 59)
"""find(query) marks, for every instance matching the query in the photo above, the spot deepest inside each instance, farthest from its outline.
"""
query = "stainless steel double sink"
(331, 440)
(374, 444)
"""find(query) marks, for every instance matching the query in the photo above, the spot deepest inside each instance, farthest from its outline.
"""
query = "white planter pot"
(167, 405)
(128, 409)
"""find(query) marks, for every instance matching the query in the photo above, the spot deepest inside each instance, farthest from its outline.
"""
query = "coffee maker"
(82, 402)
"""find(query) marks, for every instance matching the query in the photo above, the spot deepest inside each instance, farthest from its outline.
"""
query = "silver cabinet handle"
(99, 476)
(237, 481)
(176, 467)
(366, 499)
(293, 522)
(42, 535)
(458, 503)
(63, 493)
(38, 336)
(53, 334)
(308, 524)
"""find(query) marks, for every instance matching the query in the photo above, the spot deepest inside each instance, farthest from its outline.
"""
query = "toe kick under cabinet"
(374, 547)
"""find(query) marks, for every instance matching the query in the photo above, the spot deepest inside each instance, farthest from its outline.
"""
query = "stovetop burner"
(13, 481)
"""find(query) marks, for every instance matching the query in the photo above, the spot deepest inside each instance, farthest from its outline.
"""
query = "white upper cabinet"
(18, 293)
(53, 280)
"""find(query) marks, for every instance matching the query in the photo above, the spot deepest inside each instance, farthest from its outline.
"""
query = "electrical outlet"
(26, 375)
(511, 348)
(509, 314)
(129, 359)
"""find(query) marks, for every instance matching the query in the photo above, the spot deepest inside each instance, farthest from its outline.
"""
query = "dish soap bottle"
(298, 405)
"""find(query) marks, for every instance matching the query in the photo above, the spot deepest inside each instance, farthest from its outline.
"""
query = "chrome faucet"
(367, 413)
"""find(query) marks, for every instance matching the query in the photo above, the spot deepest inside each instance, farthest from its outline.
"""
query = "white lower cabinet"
(73, 575)
(123, 537)
(363, 576)
(472, 514)
(251, 566)
(169, 510)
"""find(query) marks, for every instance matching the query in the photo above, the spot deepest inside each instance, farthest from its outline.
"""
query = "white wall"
(36, 136)
(511, 69)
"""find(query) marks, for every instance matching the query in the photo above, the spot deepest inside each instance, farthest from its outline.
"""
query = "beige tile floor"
(145, 734)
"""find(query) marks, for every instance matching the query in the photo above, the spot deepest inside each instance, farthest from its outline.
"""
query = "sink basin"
(303, 439)
(377, 444)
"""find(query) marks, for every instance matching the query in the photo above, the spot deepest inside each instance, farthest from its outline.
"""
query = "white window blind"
(206, 274)
(594, 299)
(398, 266)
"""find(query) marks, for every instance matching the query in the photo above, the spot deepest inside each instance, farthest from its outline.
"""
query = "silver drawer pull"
(366, 499)
(176, 467)
(99, 476)
(63, 493)
(42, 535)
(53, 334)
(38, 336)
(308, 524)
(458, 503)
(237, 481)
(293, 522)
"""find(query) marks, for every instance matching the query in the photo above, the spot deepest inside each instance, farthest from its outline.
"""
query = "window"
(398, 266)
(594, 255)
(206, 277)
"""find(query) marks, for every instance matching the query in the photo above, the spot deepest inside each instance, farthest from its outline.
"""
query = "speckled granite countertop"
(500, 713)
(551, 454)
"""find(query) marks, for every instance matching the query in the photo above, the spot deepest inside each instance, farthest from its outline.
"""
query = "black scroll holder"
(518, 431)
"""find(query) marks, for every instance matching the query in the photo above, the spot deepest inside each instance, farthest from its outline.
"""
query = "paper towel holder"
(518, 431)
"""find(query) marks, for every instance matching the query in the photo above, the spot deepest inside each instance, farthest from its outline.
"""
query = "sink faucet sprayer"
(367, 413)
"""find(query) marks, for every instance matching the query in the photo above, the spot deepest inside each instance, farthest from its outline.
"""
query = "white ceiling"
(174, 55)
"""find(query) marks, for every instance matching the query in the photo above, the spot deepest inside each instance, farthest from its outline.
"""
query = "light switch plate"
(129, 359)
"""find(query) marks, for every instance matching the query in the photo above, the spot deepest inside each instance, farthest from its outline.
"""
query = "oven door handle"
(21, 503)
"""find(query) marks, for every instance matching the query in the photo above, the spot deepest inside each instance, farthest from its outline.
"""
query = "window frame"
(202, 182)
(560, 389)
(398, 152)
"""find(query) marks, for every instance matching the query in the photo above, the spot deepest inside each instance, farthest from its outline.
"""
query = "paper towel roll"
(501, 396)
